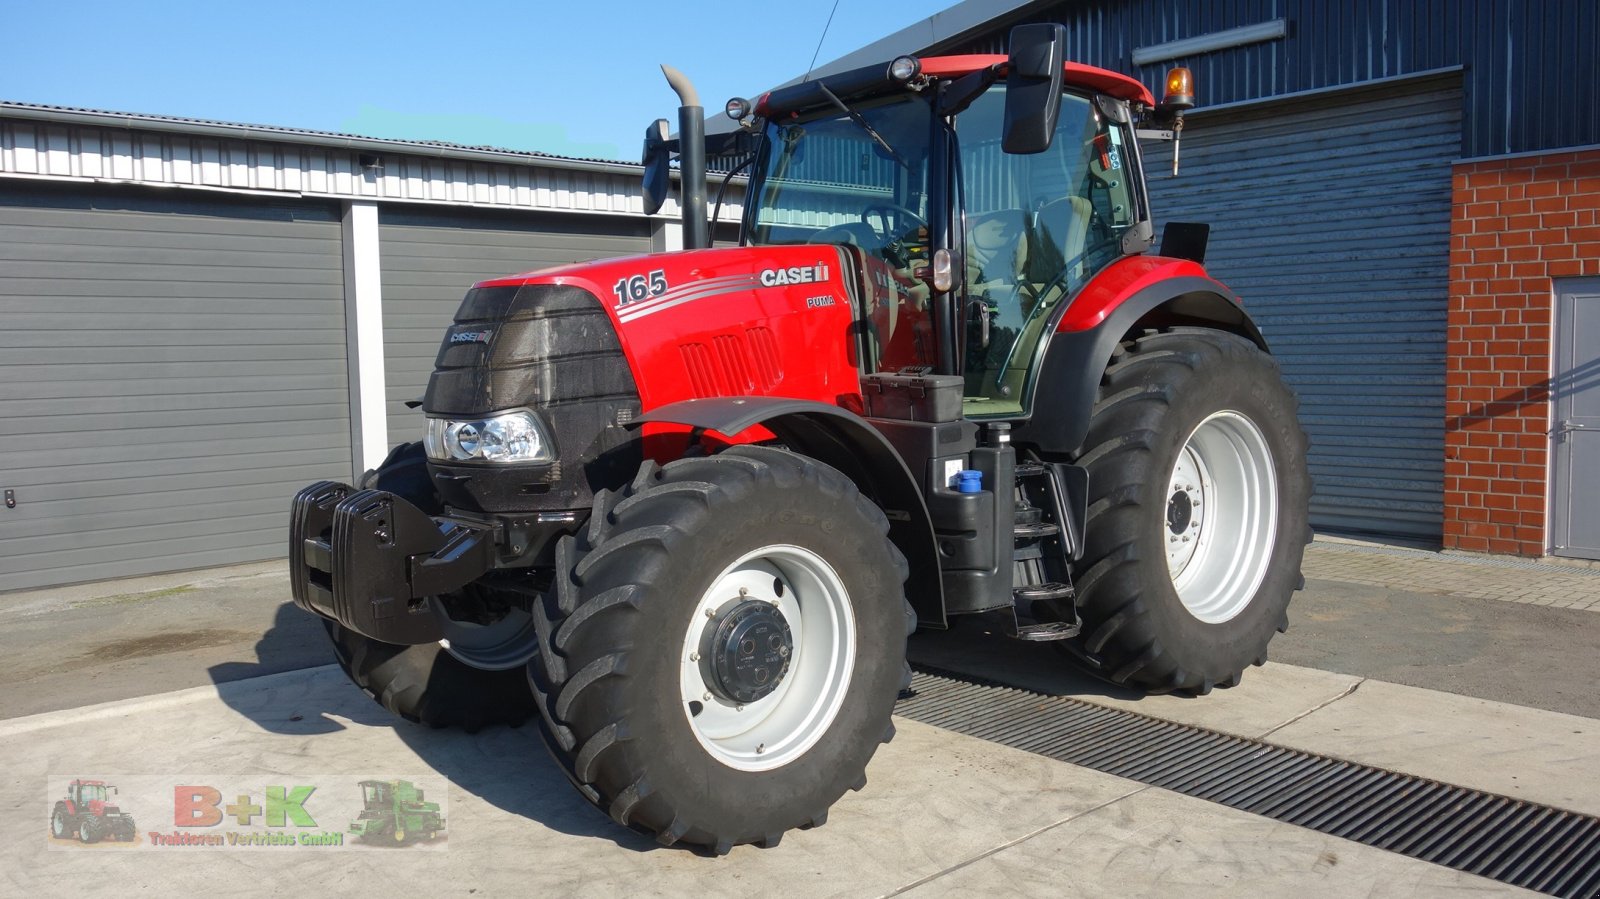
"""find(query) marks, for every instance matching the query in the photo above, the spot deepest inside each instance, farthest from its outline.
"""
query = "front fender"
(1078, 352)
(850, 444)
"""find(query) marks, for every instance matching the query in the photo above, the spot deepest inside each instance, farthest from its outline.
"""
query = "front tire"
(426, 683)
(60, 822)
(1197, 511)
(651, 702)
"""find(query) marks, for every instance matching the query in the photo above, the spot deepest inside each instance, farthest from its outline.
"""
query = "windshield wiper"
(866, 126)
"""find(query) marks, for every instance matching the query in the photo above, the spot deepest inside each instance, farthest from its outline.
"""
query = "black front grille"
(539, 345)
(550, 348)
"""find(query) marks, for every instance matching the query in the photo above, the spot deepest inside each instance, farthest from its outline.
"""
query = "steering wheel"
(898, 223)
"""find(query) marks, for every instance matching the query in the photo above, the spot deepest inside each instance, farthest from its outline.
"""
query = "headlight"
(507, 437)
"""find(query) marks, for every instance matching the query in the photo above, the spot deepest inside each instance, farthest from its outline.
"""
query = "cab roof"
(1105, 81)
(875, 80)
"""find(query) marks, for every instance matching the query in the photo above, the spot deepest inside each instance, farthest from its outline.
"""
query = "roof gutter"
(334, 141)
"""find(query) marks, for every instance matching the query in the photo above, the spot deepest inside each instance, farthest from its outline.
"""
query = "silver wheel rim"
(1221, 517)
(508, 643)
(783, 725)
(58, 824)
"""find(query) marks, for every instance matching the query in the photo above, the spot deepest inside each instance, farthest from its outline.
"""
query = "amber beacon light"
(1180, 89)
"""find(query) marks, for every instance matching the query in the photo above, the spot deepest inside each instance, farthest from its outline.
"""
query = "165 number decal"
(640, 287)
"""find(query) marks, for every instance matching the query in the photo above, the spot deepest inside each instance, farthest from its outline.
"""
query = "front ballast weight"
(371, 560)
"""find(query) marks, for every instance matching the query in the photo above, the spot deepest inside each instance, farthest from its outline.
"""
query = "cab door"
(1035, 229)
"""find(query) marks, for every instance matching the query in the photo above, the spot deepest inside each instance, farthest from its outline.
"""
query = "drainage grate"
(1520, 843)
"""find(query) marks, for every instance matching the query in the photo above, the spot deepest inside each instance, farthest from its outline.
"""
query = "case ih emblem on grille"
(809, 274)
(471, 336)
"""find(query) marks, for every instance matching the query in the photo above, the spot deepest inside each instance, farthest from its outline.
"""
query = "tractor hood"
(738, 321)
(588, 348)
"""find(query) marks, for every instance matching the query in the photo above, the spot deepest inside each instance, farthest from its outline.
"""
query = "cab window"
(1036, 228)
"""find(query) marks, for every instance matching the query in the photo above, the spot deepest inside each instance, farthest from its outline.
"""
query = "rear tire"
(425, 683)
(656, 575)
(1181, 593)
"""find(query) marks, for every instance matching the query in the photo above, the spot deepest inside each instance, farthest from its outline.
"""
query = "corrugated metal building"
(198, 318)
(1405, 194)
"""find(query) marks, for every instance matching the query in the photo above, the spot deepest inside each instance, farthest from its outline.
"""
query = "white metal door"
(1575, 531)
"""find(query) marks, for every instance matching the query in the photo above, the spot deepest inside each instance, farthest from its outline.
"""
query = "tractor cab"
(85, 792)
(374, 795)
(915, 180)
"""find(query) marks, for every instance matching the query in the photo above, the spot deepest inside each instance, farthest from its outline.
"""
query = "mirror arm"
(969, 87)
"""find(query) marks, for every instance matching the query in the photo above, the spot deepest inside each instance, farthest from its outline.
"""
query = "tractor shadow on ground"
(508, 768)
(971, 647)
(296, 640)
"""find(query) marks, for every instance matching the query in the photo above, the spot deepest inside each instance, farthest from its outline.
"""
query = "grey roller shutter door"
(1330, 215)
(170, 373)
(430, 260)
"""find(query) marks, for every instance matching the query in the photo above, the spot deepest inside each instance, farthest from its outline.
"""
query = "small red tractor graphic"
(87, 814)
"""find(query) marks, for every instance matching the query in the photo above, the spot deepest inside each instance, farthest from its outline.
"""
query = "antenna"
(824, 37)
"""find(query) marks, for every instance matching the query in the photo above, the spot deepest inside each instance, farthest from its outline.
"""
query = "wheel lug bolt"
(711, 613)
(694, 656)
(760, 748)
(738, 708)
(743, 592)
(706, 696)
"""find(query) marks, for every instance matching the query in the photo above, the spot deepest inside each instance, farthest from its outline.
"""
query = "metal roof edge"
(232, 131)
(1527, 154)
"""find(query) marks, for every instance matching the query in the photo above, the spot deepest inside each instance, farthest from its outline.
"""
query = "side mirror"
(1033, 87)
(657, 165)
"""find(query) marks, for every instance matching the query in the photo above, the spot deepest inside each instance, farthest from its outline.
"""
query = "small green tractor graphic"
(394, 811)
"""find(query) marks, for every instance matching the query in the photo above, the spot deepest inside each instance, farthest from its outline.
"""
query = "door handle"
(1566, 427)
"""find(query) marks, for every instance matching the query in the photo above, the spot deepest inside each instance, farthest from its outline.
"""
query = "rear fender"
(1074, 360)
(847, 442)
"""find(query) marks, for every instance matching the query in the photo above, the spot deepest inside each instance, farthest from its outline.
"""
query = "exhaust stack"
(691, 160)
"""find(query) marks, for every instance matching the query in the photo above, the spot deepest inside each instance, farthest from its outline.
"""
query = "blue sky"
(575, 78)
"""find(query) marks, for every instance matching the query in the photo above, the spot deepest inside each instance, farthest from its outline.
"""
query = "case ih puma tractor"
(684, 509)
(88, 815)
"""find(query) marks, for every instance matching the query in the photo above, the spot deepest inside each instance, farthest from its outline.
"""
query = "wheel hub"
(1180, 509)
(767, 657)
(750, 648)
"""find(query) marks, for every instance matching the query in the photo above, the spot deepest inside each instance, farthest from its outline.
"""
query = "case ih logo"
(800, 274)
(471, 336)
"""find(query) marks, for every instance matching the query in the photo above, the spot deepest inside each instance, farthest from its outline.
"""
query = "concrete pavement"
(214, 672)
(941, 814)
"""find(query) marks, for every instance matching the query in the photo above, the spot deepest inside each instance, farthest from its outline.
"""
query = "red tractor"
(684, 509)
(87, 814)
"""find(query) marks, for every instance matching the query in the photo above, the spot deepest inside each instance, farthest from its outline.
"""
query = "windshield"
(92, 792)
(831, 180)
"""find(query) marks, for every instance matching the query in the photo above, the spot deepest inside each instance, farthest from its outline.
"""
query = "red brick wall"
(1517, 223)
